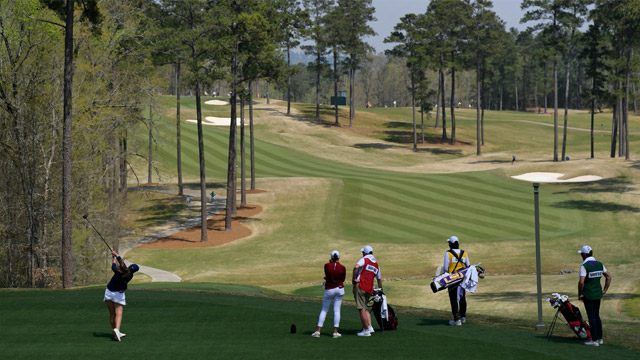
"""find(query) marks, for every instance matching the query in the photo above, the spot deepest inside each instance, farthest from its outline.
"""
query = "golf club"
(96, 230)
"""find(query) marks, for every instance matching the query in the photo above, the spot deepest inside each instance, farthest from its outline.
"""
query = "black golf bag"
(571, 314)
(388, 322)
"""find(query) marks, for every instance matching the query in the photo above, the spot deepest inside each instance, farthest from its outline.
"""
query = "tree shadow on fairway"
(210, 185)
(438, 151)
(595, 206)
(399, 125)
(378, 146)
(610, 185)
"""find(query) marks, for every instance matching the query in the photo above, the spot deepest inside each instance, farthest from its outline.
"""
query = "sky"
(389, 12)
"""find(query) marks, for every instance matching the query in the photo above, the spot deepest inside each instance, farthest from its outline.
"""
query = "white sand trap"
(216, 102)
(216, 121)
(547, 177)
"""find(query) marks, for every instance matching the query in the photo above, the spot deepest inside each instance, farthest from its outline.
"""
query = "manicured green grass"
(316, 203)
(73, 324)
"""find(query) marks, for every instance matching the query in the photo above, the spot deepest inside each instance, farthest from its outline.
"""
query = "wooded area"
(77, 77)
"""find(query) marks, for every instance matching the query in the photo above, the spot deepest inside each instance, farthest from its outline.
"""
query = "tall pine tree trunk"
(243, 178)
(150, 170)
(352, 75)
(318, 58)
(231, 163)
(178, 137)
(268, 95)
(453, 96)
(444, 107)
(593, 110)
(555, 108)
(67, 260)
(288, 81)
(413, 108)
(483, 100)
(251, 146)
(566, 97)
(626, 100)
(203, 180)
(438, 99)
(614, 125)
(515, 87)
(422, 125)
(335, 82)
(478, 141)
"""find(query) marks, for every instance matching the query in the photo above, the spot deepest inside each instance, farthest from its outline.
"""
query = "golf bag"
(571, 314)
(446, 280)
(388, 320)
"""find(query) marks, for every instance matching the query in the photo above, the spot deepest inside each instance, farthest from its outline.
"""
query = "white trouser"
(334, 295)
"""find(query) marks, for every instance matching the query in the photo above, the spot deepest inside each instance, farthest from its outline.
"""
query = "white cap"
(367, 249)
(453, 239)
(585, 250)
(335, 253)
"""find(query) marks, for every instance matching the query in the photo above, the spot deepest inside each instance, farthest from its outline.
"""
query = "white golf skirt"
(115, 296)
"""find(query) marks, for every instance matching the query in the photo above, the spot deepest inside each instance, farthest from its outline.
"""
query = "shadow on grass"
(161, 211)
(103, 335)
(196, 185)
(491, 162)
(433, 322)
(595, 206)
(378, 146)
(439, 151)
(610, 185)
(399, 125)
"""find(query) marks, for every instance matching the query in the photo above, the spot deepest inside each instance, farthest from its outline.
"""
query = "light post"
(540, 325)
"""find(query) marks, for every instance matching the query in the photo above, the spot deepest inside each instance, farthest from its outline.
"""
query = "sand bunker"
(215, 121)
(547, 177)
(216, 102)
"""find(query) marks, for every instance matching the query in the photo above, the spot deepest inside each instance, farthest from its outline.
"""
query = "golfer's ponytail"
(122, 268)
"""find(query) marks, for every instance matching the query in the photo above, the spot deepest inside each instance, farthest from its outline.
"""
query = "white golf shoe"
(600, 342)
(315, 334)
(463, 320)
(117, 334)
(455, 323)
(370, 329)
(592, 343)
(364, 332)
(337, 335)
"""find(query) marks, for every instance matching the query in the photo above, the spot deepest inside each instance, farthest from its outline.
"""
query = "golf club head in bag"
(571, 314)
(382, 311)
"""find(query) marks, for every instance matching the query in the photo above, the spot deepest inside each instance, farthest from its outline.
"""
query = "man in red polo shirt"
(364, 272)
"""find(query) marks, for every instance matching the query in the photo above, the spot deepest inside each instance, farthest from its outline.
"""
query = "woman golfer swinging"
(114, 294)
